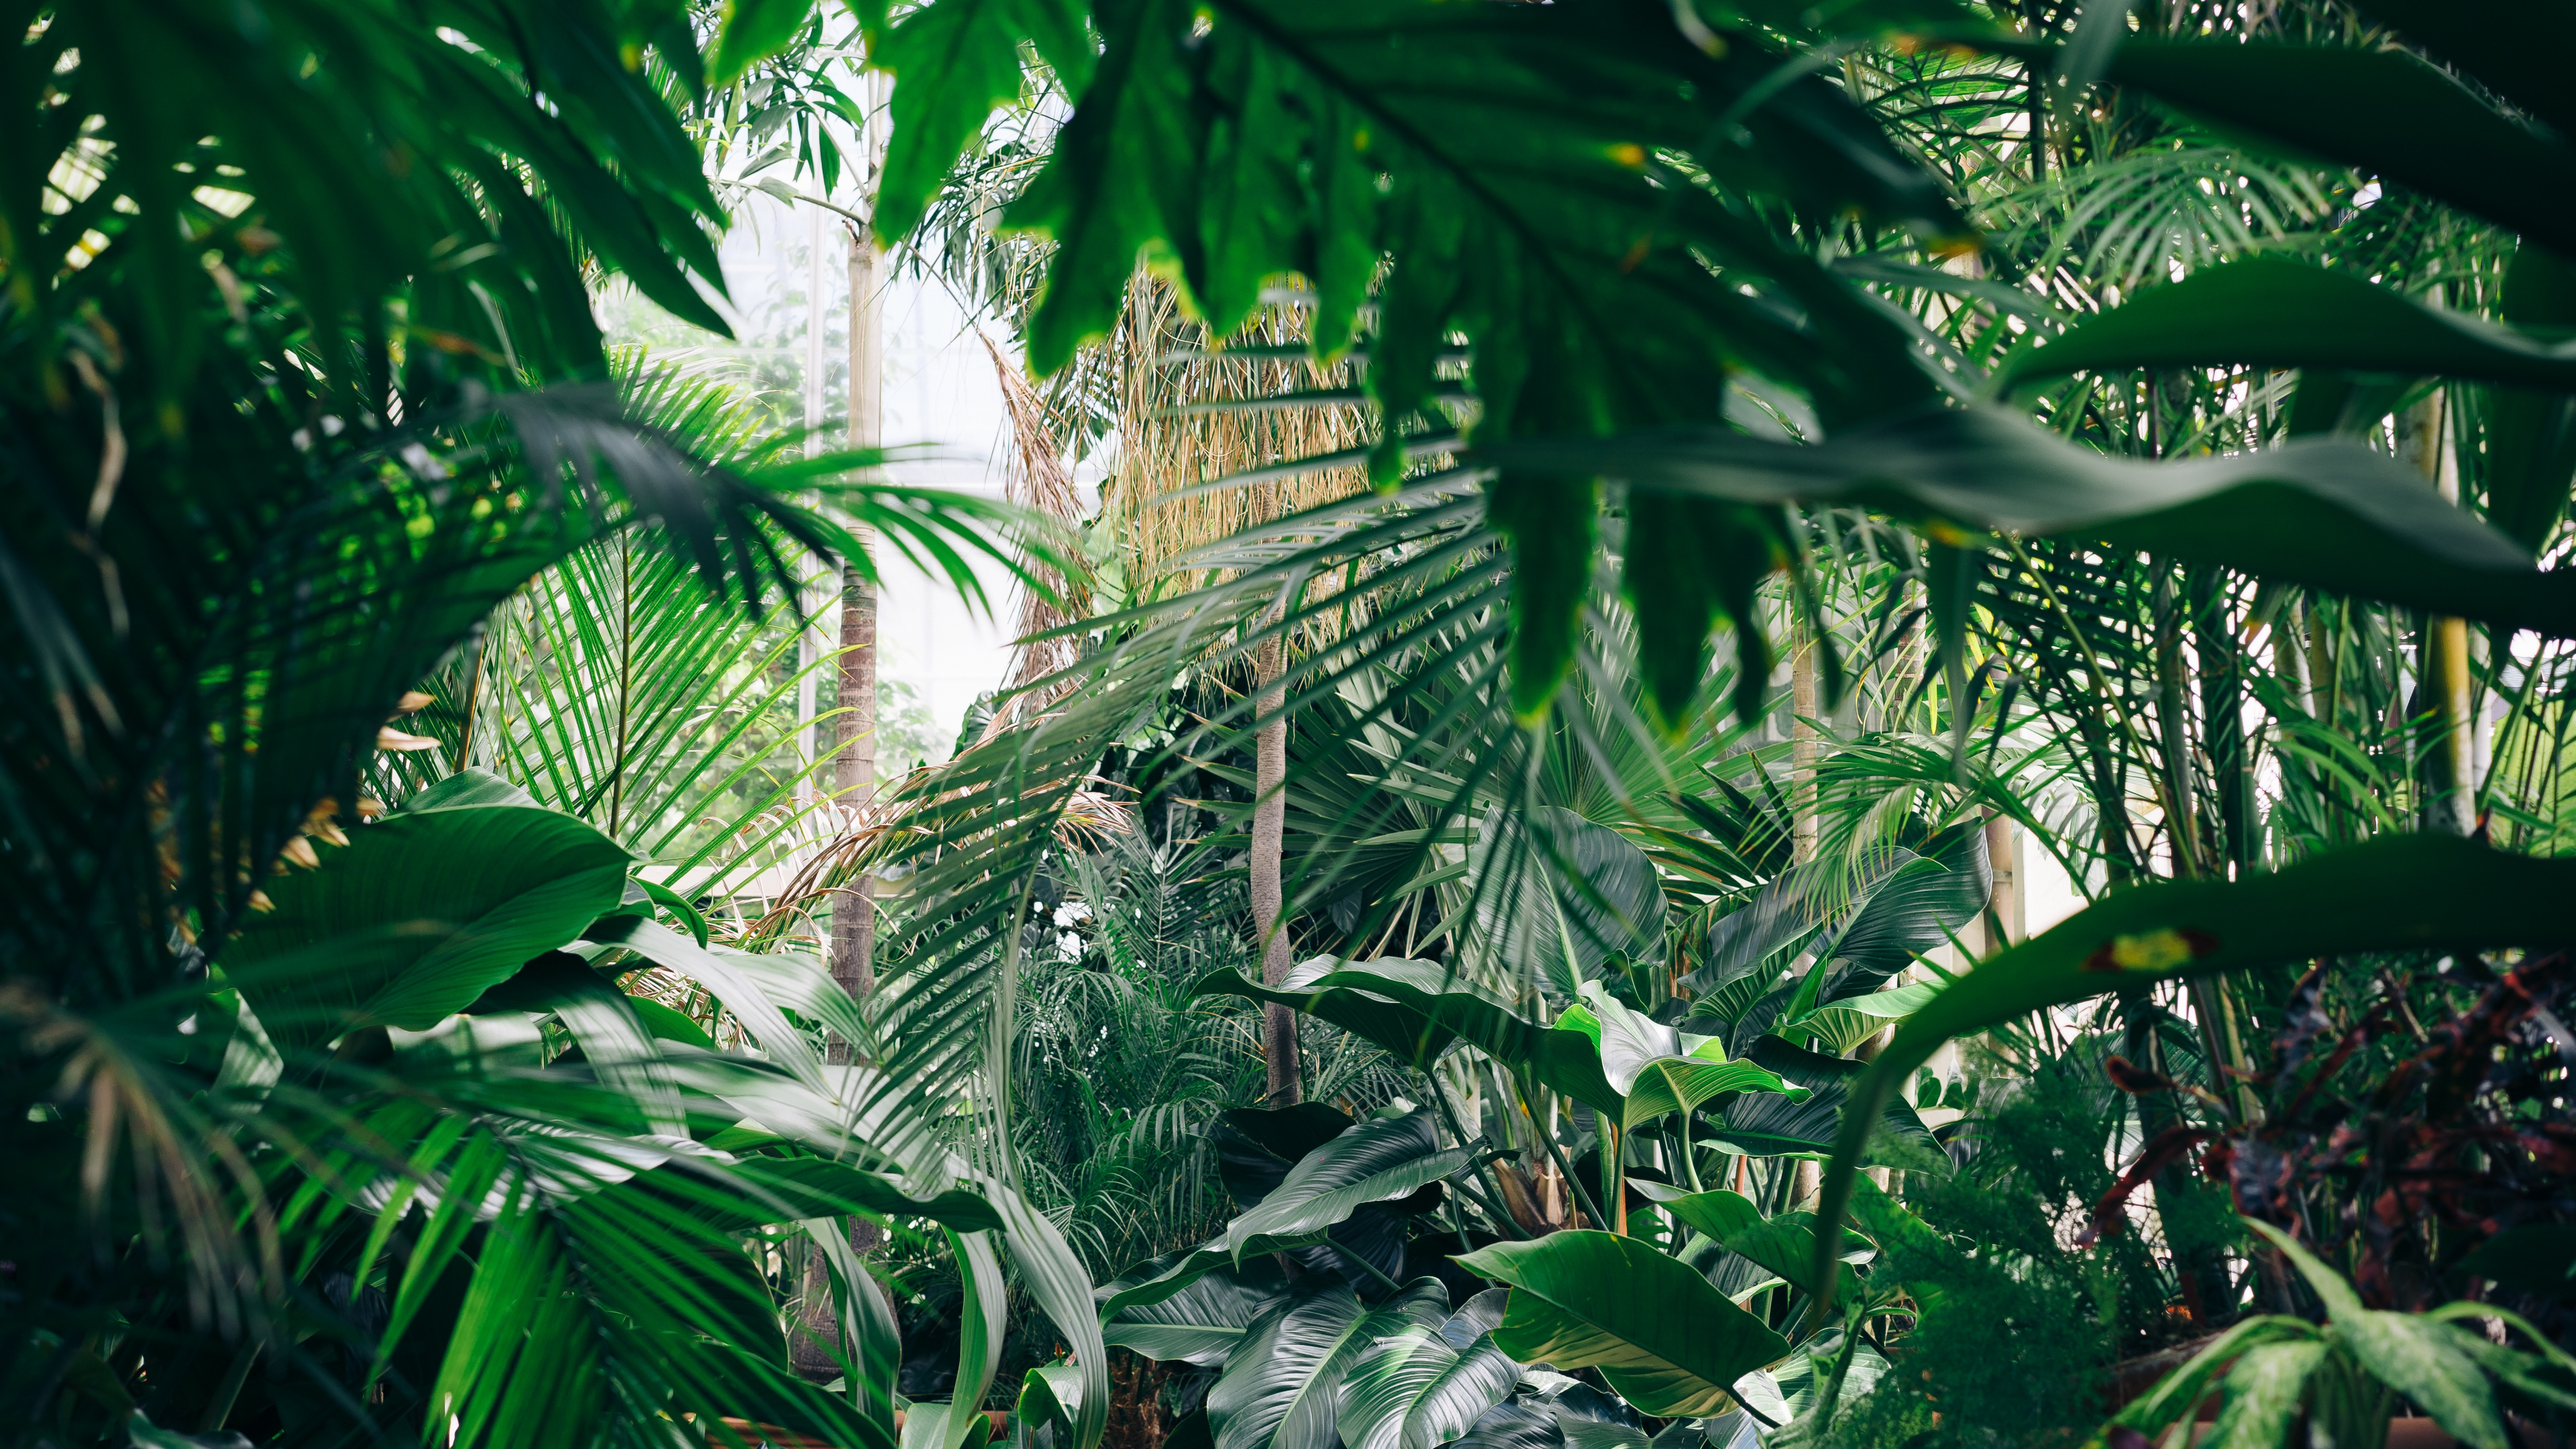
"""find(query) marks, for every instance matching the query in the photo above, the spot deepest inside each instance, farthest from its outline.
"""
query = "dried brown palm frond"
(1196, 410)
(1036, 478)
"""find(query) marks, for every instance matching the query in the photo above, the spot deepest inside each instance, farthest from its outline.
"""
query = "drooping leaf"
(418, 915)
(1665, 1339)
(2328, 514)
(2404, 892)
(2273, 312)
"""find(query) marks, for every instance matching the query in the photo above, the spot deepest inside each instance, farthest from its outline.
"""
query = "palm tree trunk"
(1269, 836)
(812, 1347)
(855, 766)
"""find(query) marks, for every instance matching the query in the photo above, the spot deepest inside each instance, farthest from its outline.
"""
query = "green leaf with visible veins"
(419, 914)
(954, 63)
(1661, 1335)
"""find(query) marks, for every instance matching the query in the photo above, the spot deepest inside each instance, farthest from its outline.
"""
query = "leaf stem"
(1547, 1139)
(1363, 1264)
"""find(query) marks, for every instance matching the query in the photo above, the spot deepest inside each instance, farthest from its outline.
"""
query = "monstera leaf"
(1667, 1341)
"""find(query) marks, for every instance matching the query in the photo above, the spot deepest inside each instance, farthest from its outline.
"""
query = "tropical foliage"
(1763, 489)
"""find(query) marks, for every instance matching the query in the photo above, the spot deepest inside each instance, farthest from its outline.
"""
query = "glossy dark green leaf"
(2396, 893)
(1204, 1322)
(1426, 1386)
(1282, 1389)
(1377, 1160)
(1666, 1340)
(2274, 312)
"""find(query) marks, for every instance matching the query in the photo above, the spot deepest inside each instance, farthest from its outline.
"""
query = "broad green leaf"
(1282, 1389)
(1667, 1341)
(1784, 1245)
(754, 30)
(2272, 312)
(2264, 1393)
(1419, 1009)
(2396, 893)
(1377, 1160)
(1426, 1386)
(2328, 514)
(1051, 1394)
(418, 915)
(1204, 1321)
(954, 63)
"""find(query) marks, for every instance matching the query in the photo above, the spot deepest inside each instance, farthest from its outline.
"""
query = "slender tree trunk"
(2450, 803)
(1269, 837)
(2003, 907)
(1805, 749)
(854, 765)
